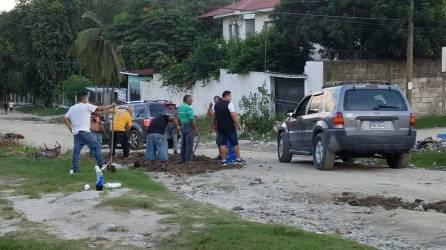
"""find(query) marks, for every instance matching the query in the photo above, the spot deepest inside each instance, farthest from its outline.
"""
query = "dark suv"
(143, 112)
(350, 121)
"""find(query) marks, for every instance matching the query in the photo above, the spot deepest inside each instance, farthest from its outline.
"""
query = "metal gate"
(288, 93)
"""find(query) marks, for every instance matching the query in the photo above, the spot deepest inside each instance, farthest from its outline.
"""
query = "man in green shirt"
(188, 128)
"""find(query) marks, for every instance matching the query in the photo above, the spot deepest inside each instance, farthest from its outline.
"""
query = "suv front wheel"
(283, 149)
(322, 156)
(135, 140)
(398, 160)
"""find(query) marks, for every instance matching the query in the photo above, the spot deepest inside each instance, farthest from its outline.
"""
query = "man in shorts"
(226, 122)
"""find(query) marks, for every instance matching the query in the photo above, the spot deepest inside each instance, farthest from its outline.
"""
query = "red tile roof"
(141, 72)
(243, 5)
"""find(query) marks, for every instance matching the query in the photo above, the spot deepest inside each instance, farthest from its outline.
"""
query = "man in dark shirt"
(226, 122)
(156, 148)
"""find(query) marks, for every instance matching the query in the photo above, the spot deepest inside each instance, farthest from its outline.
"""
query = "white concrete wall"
(314, 71)
(239, 85)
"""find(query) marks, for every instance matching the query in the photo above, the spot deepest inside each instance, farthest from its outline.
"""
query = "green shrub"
(257, 117)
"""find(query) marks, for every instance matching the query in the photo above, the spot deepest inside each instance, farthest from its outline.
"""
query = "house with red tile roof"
(243, 18)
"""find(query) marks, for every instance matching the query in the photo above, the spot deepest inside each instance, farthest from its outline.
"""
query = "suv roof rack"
(365, 82)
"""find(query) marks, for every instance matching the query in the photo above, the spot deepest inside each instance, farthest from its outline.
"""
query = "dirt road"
(297, 194)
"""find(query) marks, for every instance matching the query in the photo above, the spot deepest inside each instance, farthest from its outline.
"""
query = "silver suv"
(350, 121)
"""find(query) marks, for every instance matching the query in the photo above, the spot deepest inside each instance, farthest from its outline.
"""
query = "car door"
(310, 119)
(294, 124)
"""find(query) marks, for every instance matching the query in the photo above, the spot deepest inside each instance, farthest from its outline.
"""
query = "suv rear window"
(157, 109)
(374, 99)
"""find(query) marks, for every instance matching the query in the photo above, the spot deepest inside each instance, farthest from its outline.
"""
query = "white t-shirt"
(230, 107)
(79, 116)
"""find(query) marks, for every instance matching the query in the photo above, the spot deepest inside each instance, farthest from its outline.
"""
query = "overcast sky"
(6, 4)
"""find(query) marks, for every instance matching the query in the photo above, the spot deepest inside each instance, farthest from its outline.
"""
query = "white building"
(243, 18)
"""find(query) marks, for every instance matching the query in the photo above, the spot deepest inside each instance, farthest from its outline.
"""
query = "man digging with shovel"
(77, 120)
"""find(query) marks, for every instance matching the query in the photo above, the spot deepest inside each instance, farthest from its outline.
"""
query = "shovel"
(110, 166)
(196, 145)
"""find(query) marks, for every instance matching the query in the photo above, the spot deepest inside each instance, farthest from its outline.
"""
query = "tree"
(96, 53)
(283, 54)
(150, 29)
(52, 33)
(203, 64)
(380, 32)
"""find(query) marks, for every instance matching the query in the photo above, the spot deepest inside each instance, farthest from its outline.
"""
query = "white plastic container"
(112, 185)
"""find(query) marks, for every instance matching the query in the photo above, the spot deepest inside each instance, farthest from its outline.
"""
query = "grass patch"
(219, 229)
(40, 111)
(248, 235)
(432, 121)
(51, 175)
(15, 243)
(428, 159)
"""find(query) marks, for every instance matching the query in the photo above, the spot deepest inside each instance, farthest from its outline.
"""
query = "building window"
(236, 31)
(267, 25)
(250, 26)
(231, 35)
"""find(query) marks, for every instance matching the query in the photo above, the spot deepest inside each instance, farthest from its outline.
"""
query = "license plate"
(377, 125)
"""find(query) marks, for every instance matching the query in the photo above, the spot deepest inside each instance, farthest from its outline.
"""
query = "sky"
(6, 5)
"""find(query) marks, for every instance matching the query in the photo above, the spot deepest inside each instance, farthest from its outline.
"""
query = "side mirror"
(289, 113)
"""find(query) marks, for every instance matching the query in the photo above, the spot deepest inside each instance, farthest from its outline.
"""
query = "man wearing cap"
(171, 130)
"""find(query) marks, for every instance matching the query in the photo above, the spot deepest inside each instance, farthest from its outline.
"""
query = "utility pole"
(409, 66)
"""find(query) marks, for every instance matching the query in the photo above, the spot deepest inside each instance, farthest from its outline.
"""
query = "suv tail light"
(412, 120)
(338, 120)
(147, 122)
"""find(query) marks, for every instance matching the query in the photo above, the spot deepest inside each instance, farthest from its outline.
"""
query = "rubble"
(431, 144)
(390, 203)
(49, 152)
(10, 139)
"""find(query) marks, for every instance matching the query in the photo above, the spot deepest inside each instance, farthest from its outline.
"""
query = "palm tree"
(97, 55)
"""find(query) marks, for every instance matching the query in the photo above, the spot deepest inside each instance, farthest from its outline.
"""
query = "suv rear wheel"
(135, 140)
(399, 160)
(323, 158)
(283, 149)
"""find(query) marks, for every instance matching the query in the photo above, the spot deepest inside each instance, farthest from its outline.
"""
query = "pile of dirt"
(10, 139)
(199, 165)
(390, 203)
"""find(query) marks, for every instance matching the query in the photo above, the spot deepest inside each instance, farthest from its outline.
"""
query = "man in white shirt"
(226, 122)
(77, 120)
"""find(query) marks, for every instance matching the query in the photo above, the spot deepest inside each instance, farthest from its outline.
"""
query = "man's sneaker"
(225, 163)
(74, 172)
(240, 161)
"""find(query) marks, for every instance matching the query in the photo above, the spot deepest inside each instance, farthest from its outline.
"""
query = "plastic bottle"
(99, 179)
(231, 154)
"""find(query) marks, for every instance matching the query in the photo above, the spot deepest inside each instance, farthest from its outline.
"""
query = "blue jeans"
(171, 133)
(156, 148)
(85, 139)
(187, 142)
(98, 137)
